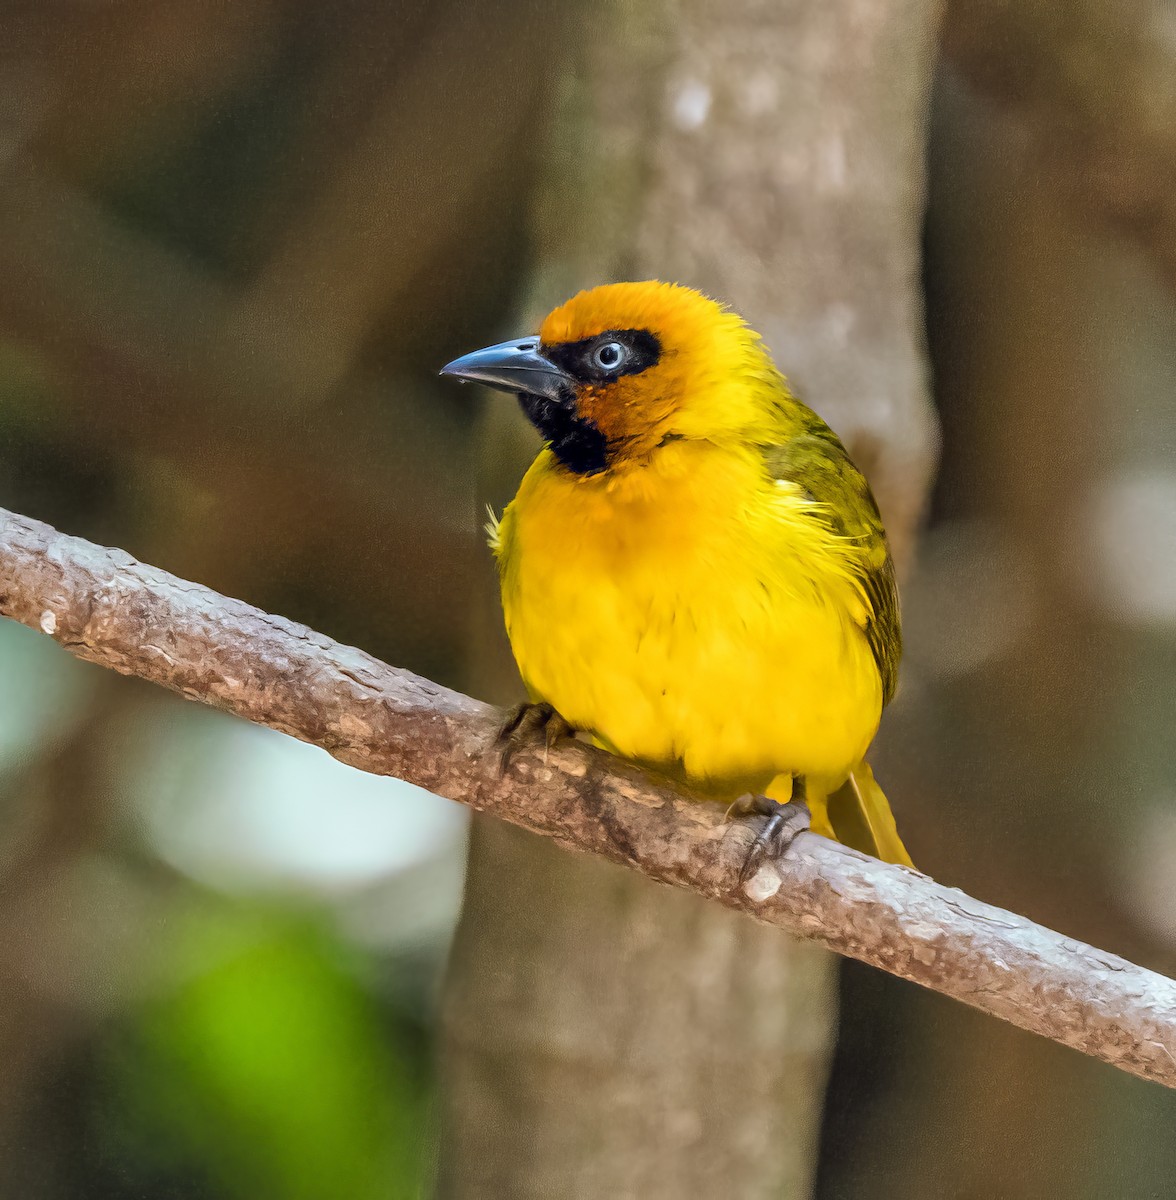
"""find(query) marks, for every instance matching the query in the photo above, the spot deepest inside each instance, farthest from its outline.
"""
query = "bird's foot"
(522, 729)
(784, 822)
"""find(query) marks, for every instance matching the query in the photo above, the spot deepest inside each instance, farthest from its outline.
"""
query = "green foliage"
(269, 1070)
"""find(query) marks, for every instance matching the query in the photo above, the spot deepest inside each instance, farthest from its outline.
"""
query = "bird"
(694, 574)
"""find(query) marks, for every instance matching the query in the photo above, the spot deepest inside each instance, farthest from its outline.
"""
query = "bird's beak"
(512, 367)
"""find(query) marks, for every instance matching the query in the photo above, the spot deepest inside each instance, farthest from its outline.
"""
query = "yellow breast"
(691, 614)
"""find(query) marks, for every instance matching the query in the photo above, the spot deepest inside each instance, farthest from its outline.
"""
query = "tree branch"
(106, 608)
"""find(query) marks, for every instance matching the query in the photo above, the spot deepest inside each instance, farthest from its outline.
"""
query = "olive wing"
(817, 462)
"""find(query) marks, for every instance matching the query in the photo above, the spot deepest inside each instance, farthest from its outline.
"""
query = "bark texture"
(603, 1037)
(106, 608)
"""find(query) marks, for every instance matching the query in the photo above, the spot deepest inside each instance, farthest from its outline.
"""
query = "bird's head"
(622, 370)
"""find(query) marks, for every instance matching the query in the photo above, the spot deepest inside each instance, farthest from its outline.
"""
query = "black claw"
(523, 722)
(784, 823)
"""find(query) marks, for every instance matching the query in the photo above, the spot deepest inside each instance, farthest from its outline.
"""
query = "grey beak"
(512, 367)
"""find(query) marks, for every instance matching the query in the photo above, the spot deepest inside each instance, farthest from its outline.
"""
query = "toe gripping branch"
(525, 727)
(528, 726)
(783, 824)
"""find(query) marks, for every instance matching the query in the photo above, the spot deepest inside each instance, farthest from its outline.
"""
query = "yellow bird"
(693, 571)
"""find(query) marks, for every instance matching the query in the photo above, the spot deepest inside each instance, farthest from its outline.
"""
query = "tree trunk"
(603, 1036)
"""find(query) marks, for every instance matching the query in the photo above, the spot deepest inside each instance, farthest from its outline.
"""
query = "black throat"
(575, 441)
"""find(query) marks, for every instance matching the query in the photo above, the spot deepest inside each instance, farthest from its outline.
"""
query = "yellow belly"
(691, 616)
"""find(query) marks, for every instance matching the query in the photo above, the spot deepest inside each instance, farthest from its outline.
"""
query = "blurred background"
(236, 243)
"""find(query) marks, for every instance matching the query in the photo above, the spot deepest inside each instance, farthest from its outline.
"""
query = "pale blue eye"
(609, 356)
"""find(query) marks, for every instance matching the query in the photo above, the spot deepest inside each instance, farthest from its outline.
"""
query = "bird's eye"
(609, 356)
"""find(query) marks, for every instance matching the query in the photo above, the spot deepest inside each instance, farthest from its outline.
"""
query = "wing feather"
(817, 462)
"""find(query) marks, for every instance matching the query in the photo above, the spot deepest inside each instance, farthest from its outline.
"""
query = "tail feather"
(860, 815)
(856, 814)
